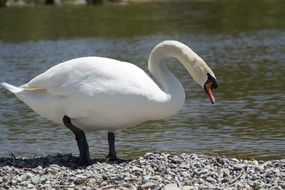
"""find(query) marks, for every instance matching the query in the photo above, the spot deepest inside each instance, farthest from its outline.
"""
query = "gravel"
(151, 171)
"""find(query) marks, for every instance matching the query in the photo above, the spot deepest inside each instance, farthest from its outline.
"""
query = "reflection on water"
(247, 56)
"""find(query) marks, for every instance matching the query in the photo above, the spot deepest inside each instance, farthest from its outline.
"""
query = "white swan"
(95, 93)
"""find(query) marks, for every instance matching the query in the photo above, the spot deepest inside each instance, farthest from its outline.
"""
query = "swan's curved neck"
(159, 71)
(163, 77)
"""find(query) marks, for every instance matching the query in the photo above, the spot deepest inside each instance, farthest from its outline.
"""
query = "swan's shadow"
(66, 160)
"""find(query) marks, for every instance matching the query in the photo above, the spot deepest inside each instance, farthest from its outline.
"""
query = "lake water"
(242, 41)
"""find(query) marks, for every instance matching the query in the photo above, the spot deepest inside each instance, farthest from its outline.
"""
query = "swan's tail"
(11, 88)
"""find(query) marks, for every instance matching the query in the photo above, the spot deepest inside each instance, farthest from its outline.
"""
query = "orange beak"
(208, 87)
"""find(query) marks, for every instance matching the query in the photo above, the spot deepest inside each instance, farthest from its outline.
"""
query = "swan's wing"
(57, 80)
(92, 74)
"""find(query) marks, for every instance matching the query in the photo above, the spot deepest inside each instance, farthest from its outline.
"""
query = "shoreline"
(151, 171)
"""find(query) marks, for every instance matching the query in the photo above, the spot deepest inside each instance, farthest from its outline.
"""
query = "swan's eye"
(212, 81)
(214, 84)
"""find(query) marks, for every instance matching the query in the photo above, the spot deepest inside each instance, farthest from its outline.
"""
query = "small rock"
(171, 186)
(148, 185)
(80, 181)
(155, 177)
(24, 183)
(19, 179)
(146, 177)
(282, 185)
(254, 162)
(238, 166)
(35, 180)
(210, 179)
(127, 178)
(235, 160)
(186, 188)
(14, 182)
(185, 174)
(176, 160)
(225, 180)
(119, 178)
(30, 186)
(104, 177)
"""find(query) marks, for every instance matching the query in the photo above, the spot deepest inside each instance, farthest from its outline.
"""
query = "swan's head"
(202, 74)
(209, 87)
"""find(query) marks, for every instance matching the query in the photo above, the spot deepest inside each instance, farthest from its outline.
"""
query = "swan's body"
(101, 93)
(98, 93)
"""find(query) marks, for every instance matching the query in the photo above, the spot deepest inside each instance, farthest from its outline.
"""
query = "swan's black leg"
(112, 156)
(84, 157)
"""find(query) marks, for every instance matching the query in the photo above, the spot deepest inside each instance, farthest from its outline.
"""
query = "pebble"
(35, 180)
(171, 186)
(151, 171)
(147, 185)
(238, 166)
